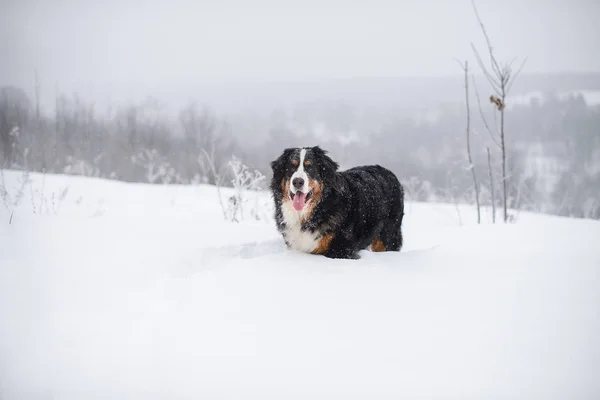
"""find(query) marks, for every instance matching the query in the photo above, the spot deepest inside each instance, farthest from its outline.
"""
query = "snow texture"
(134, 291)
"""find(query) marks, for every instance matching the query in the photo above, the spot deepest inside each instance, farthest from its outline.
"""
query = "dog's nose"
(298, 183)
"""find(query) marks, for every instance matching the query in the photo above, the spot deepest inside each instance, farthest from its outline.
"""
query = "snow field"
(144, 292)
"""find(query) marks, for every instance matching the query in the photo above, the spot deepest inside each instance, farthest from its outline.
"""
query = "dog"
(321, 210)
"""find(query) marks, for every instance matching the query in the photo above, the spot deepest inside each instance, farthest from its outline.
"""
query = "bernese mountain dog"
(321, 210)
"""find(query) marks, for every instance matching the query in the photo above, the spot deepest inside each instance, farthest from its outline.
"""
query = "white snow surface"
(132, 291)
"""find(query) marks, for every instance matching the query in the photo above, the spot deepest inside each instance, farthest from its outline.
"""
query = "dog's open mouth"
(299, 199)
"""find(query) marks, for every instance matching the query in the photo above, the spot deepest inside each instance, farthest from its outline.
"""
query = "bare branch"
(493, 61)
(468, 132)
(491, 79)
(492, 189)
(461, 65)
(516, 74)
(484, 119)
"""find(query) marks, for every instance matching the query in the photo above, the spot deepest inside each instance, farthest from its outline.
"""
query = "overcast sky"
(95, 42)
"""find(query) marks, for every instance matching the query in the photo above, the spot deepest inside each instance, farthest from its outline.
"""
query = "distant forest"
(553, 141)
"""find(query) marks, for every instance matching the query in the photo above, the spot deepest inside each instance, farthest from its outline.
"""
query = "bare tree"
(494, 138)
(465, 68)
(492, 190)
(501, 79)
(14, 118)
(207, 141)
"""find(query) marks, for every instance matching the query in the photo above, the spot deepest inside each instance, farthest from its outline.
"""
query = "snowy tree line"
(553, 152)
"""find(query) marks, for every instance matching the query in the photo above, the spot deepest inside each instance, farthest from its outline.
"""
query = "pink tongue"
(299, 201)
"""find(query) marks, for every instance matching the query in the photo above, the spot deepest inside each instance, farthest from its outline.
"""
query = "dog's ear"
(278, 167)
(279, 163)
(327, 164)
(328, 167)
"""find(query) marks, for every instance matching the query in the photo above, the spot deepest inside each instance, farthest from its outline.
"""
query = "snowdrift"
(130, 291)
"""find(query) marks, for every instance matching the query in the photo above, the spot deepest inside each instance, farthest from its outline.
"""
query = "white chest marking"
(295, 236)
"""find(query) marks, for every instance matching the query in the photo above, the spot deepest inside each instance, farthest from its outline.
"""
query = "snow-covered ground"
(127, 291)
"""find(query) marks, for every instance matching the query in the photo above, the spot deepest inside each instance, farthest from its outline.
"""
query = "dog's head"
(302, 175)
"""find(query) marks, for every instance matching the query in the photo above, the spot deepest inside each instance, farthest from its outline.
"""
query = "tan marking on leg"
(377, 245)
(323, 245)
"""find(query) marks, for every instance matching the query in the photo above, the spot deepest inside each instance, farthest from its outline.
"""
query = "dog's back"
(377, 205)
(374, 183)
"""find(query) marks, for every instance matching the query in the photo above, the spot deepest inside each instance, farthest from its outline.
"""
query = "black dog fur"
(350, 211)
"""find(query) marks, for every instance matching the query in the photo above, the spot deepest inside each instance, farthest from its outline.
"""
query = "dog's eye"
(307, 163)
(295, 163)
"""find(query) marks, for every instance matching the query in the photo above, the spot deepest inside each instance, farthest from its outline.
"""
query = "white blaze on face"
(299, 194)
(300, 173)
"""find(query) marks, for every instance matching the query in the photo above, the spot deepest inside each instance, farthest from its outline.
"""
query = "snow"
(131, 291)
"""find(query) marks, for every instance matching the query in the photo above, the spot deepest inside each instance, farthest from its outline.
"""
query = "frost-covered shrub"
(246, 184)
(157, 168)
